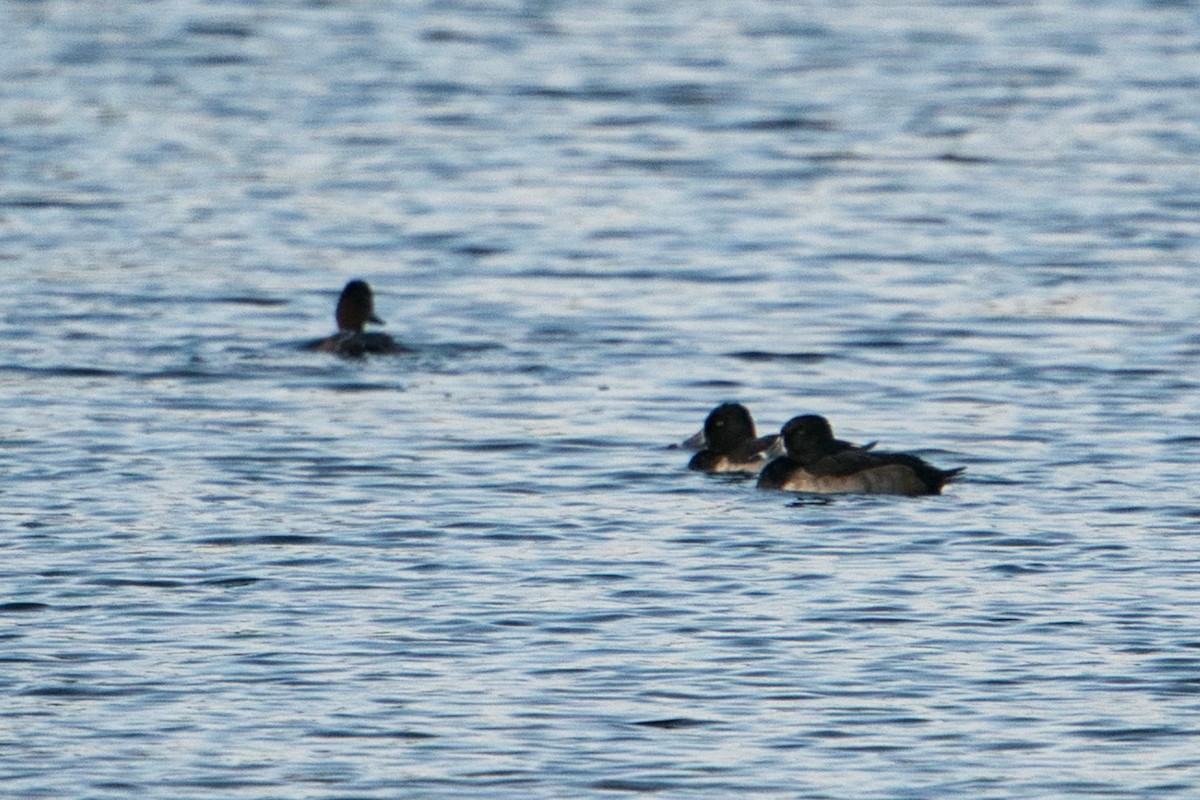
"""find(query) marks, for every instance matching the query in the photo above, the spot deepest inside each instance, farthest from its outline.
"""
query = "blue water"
(235, 569)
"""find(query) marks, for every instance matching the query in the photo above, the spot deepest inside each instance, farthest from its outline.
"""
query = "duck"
(355, 308)
(819, 463)
(730, 443)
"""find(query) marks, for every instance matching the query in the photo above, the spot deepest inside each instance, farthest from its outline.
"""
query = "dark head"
(356, 307)
(808, 437)
(728, 427)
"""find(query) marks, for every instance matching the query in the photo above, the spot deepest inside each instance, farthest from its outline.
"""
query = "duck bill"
(770, 446)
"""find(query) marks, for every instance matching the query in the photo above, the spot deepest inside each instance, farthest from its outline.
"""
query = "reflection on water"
(237, 568)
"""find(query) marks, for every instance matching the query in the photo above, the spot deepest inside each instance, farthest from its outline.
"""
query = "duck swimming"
(730, 443)
(817, 462)
(355, 308)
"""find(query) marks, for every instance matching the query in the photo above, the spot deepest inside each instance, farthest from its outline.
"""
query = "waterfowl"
(355, 308)
(817, 462)
(730, 442)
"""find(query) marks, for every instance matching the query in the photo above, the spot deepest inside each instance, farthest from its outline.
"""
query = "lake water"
(232, 568)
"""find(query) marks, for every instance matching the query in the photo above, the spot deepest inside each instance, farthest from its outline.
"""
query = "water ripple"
(236, 567)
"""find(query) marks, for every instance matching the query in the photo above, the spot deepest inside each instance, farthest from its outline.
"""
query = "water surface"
(236, 569)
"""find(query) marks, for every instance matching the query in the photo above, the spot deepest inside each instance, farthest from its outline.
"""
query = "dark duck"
(817, 462)
(355, 308)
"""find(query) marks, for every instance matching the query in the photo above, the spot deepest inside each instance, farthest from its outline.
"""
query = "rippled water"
(236, 569)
